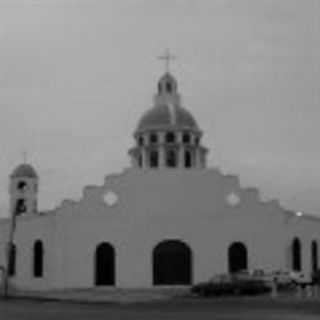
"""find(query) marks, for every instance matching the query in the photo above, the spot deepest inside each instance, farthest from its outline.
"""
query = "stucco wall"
(155, 205)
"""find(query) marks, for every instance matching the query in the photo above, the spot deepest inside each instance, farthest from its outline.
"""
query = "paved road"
(213, 309)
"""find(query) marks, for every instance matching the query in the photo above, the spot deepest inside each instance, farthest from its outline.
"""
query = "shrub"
(316, 277)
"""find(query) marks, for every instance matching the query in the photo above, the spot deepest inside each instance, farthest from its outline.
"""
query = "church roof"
(24, 171)
(165, 116)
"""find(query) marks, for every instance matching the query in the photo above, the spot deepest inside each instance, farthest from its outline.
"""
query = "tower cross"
(167, 57)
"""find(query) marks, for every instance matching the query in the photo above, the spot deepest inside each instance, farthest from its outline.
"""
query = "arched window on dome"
(38, 259)
(186, 137)
(159, 87)
(188, 159)
(197, 141)
(154, 159)
(153, 138)
(170, 137)
(171, 159)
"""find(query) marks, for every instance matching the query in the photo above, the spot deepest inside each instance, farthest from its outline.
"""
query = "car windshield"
(220, 278)
(258, 273)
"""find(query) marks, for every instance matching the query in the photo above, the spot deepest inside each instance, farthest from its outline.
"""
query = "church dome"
(24, 171)
(166, 116)
(167, 112)
(167, 135)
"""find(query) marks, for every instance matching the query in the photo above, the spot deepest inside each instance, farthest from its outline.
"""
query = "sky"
(77, 75)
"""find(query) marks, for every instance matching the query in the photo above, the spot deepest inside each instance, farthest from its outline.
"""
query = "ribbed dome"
(164, 117)
(24, 171)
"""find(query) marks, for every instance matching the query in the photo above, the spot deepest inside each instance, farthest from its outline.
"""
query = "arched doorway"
(314, 256)
(105, 265)
(172, 263)
(296, 255)
(238, 257)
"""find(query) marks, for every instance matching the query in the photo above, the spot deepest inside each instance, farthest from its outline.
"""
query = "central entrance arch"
(172, 263)
(238, 257)
(105, 265)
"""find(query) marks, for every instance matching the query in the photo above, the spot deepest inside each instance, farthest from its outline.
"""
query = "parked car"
(316, 277)
(288, 278)
(230, 284)
(221, 284)
(300, 278)
(282, 277)
(252, 286)
(255, 274)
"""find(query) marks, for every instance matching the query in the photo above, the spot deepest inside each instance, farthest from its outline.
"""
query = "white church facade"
(167, 220)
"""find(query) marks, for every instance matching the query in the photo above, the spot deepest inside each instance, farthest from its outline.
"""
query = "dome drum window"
(170, 137)
(186, 137)
(153, 138)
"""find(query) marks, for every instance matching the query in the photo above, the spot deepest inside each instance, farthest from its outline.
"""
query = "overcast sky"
(76, 75)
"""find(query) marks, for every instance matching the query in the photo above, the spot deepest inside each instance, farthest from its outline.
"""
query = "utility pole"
(9, 253)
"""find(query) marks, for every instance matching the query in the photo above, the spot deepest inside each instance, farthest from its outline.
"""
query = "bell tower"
(23, 190)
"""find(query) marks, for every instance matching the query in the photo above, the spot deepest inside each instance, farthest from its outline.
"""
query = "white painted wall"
(155, 205)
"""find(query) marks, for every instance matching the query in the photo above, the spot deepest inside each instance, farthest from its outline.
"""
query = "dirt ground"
(200, 309)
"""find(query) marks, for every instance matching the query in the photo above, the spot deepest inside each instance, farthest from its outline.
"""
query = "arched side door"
(105, 265)
(237, 257)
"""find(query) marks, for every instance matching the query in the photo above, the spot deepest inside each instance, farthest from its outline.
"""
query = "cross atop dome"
(167, 57)
(24, 156)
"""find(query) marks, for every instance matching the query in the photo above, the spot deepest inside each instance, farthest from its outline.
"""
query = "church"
(167, 220)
